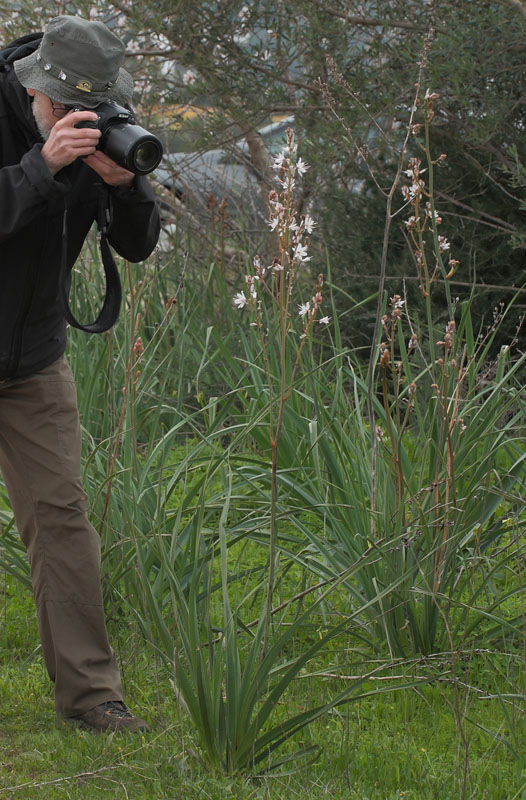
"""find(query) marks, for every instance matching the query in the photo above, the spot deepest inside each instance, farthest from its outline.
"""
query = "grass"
(198, 499)
(379, 748)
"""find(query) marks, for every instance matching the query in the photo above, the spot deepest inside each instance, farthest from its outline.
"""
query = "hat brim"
(32, 76)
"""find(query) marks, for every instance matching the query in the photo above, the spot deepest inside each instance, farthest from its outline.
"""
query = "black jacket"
(32, 204)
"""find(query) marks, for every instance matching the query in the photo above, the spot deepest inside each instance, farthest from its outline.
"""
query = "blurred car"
(226, 173)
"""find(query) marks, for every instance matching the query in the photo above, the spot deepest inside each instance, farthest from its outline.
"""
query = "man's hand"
(65, 143)
(109, 171)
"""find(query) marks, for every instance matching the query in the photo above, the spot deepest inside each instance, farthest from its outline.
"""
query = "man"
(51, 176)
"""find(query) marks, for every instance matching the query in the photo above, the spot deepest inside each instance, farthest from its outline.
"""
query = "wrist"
(126, 189)
(49, 161)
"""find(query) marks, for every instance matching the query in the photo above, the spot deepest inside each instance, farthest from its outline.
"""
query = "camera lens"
(132, 147)
(146, 157)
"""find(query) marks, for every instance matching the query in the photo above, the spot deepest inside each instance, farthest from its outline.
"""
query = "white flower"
(279, 161)
(240, 300)
(273, 223)
(303, 309)
(189, 77)
(251, 285)
(324, 321)
(309, 223)
(443, 244)
(429, 211)
(300, 253)
(301, 166)
(416, 189)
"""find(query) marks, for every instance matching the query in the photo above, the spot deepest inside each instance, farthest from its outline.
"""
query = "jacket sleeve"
(25, 190)
(136, 221)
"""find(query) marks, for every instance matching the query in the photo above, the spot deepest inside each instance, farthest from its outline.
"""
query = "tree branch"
(369, 22)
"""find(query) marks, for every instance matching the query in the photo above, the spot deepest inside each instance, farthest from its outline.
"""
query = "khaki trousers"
(40, 462)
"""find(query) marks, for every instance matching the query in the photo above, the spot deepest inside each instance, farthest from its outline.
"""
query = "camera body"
(126, 143)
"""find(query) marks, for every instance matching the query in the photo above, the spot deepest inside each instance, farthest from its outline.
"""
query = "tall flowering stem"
(448, 372)
(432, 258)
(269, 298)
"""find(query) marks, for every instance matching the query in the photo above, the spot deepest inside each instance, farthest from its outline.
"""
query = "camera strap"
(113, 297)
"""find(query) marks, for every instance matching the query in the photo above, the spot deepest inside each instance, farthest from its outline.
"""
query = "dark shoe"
(110, 716)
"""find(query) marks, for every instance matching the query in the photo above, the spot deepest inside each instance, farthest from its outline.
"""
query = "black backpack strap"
(112, 301)
(20, 48)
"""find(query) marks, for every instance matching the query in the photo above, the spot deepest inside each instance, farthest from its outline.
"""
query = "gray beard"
(43, 126)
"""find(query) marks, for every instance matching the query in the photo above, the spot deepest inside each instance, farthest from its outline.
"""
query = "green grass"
(419, 745)
(184, 448)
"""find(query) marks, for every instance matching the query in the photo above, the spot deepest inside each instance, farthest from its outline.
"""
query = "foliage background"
(243, 64)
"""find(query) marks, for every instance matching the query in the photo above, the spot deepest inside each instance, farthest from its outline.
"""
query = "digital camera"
(129, 145)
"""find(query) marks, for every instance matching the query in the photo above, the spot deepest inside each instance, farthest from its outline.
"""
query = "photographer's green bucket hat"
(78, 61)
